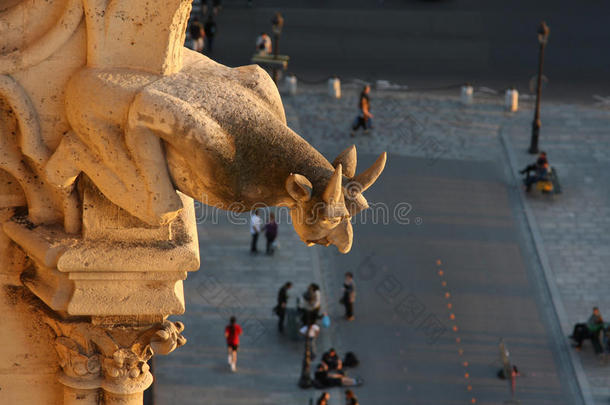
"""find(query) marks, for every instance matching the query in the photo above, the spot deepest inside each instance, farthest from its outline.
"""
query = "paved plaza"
(522, 267)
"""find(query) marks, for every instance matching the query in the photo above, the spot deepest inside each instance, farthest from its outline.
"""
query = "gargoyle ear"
(299, 187)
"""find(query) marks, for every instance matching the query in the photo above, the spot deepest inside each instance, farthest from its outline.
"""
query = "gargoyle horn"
(366, 179)
(348, 160)
(332, 193)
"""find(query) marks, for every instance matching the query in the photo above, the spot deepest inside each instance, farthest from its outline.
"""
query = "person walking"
(232, 333)
(282, 302)
(197, 34)
(210, 32)
(364, 118)
(350, 398)
(323, 399)
(270, 233)
(255, 228)
(349, 296)
(216, 6)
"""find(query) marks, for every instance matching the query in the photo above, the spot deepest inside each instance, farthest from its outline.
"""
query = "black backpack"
(350, 360)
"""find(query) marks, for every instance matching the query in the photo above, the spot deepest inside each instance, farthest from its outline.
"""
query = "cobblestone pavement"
(575, 226)
(232, 282)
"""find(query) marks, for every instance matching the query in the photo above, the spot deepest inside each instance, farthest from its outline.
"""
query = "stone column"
(109, 292)
(107, 364)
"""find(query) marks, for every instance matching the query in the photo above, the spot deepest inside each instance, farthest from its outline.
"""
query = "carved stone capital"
(113, 358)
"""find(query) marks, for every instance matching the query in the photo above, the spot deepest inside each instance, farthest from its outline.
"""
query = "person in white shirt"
(255, 228)
(311, 333)
(263, 43)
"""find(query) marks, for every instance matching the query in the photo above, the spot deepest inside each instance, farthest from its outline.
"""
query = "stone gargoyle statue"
(122, 101)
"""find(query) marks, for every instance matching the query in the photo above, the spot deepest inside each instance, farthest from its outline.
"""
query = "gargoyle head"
(324, 218)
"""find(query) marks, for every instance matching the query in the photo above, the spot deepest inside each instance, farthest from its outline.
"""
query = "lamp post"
(543, 37)
(305, 380)
(277, 22)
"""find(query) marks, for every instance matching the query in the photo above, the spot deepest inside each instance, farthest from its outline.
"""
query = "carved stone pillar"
(108, 363)
(109, 292)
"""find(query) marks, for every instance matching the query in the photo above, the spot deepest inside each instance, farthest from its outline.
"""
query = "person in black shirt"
(364, 118)
(210, 31)
(349, 296)
(332, 361)
(282, 301)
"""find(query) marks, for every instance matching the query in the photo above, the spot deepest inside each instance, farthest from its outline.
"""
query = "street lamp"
(277, 22)
(543, 37)
(305, 380)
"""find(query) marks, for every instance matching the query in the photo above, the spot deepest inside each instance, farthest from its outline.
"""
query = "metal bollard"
(511, 100)
(466, 95)
(291, 84)
(334, 87)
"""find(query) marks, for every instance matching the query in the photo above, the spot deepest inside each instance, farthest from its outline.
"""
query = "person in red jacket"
(232, 332)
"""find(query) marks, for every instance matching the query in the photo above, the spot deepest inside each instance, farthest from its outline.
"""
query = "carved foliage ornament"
(112, 357)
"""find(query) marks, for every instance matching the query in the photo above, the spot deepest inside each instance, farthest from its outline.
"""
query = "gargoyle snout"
(342, 236)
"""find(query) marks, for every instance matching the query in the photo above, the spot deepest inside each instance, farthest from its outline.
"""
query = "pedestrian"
(270, 233)
(282, 302)
(216, 6)
(312, 302)
(204, 8)
(210, 32)
(324, 398)
(311, 333)
(232, 333)
(263, 44)
(514, 373)
(364, 118)
(349, 296)
(197, 35)
(255, 228)
(350, 398)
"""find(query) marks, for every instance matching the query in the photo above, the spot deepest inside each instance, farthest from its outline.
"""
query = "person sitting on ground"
(326, 378)
(541, 171)
(332, 361)
(590, 330)
(324, 398)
